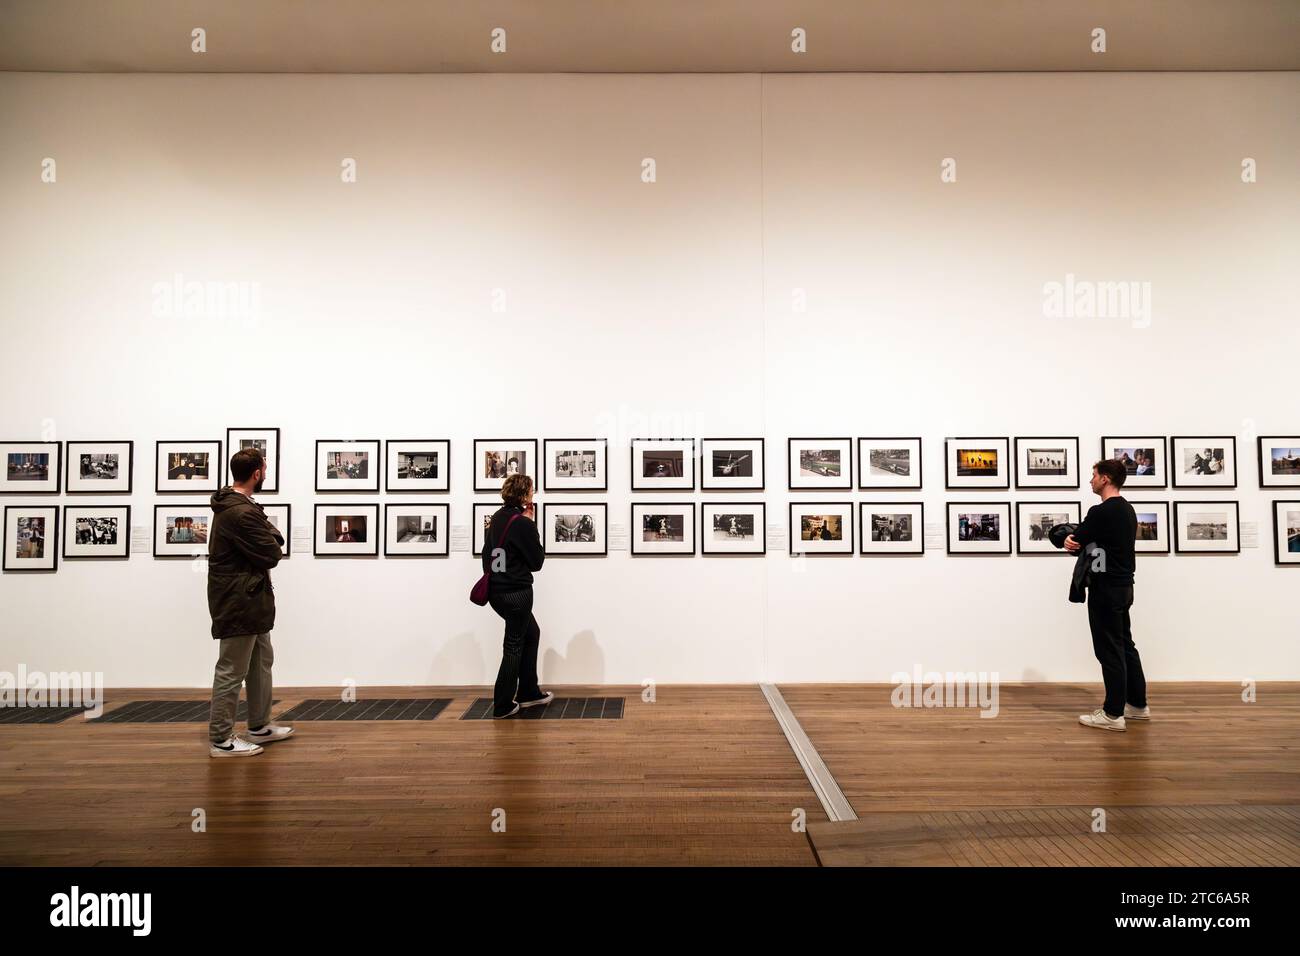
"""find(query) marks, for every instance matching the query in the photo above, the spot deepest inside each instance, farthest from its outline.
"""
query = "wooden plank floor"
(1063, 836)
(702, 776)
(1204, 746)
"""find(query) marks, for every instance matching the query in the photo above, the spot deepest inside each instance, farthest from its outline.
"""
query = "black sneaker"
(510, 713)
(545, 698)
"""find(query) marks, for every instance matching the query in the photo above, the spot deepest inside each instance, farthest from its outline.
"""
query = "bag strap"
(506, 530)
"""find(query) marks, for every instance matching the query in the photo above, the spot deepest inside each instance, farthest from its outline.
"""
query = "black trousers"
(518, 671)
(1112, 642)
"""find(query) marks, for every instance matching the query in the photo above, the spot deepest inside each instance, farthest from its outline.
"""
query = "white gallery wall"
(797, 268)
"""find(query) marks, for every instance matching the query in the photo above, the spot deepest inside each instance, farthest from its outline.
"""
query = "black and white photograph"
(497, 458)
(96, 531)
(416, 530)
(1152, 527)
(892, 527)
(575, 464)
(1206, 527)
(733, 527)
(885, 464)
(1047, 462)
(30, 467)
(347, 465)
(483, 512)
(343, 530)
(819, 464)
(663, 528)
(1279, 461)
(977, 463)
(821, 527)
(1143, 458)
(31, 538)
(188, 467)
(181, 531)
(265, 440)
(979, 527)
(1286, 533)
(1204, 462)
(1035, 520)
(99, 467)
(663, 464)
(733, 464)
(279, 516)
(573, 528)
(417, 464)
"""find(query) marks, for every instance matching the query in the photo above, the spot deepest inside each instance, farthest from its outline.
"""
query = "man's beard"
(257, 489)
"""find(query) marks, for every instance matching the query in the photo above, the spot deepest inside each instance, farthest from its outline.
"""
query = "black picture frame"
(1175, 471)
(790, 465)
(566, 503)
(1277, 534)
(760, 530)
(760, 473)
(130, 467)
(790, 535)
(863, 531)
(1137, 440)
(441, 507)
(287, 550)
(1169, 528)
(1020, 526)
(533, 473)
(947, 466)
(1178, 526)
(692, 456)
(862, 462)
(1065, 483)
(191, 555)
(126, 532)
(1281, 484)
(373, 478)
(53, 541)
(205, 487)
(1008, 537)
(634, 531)
(545, 466)
(57, 469)
(372, 514)
(231, 451)
(389, 478)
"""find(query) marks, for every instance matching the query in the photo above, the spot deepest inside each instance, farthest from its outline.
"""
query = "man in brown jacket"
(243, 547)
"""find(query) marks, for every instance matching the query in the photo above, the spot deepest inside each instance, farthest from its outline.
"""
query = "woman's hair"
(515, 489)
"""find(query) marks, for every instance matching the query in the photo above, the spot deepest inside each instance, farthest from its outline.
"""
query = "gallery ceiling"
(661, 36)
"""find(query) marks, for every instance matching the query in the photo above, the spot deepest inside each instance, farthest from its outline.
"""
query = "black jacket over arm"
(523, 551)
(243, 547)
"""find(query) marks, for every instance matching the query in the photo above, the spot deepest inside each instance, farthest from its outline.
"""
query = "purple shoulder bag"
(479, 592)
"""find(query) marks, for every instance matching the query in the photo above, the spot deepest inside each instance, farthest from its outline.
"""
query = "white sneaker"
(270, 734)
(546, 698)
(234, 747)
(1137, 713)
(1101, 720)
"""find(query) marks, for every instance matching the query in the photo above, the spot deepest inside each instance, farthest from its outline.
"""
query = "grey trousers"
(246, 657)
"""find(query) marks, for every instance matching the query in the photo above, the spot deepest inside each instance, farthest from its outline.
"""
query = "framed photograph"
(732, 464)
(575, 464)
(187, 467)
(733, 527)
(977, 463)
(663, 464)
(416, 529)
(821, 527)
(346, 529)
(1048, 462)
(892, 527)
(265, 440)
(979, 527)
(496, 458)
(31, 538)
(30, 468)
(819, 464)
(100, 467)
(181, 531)
(417, 465)
(1279, 462)
(1206, 527)
(1143, 458)
(96, 531)
(1286, 533)
(345, 465)
(483, 512)
(279, 516)
(663, 528)
(1200, 462)
(1152, 527)
(885, 464)
(573, 528)
(1034, 519)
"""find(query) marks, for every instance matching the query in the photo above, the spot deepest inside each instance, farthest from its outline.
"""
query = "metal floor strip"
(832, 798)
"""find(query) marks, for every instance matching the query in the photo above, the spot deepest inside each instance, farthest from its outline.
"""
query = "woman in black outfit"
(512, 551)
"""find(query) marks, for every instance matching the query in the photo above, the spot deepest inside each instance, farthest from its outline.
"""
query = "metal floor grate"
(562, 708)
(38, 715)
(402, 708)
(167, 712)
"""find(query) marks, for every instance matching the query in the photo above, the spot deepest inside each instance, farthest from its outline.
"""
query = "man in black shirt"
(1111, 528)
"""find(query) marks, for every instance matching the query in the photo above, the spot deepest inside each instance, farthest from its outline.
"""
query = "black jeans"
(1112, 642)
(518, 671)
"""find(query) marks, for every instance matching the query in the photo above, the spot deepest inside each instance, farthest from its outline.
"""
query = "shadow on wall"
(582, 663)
(461, 661)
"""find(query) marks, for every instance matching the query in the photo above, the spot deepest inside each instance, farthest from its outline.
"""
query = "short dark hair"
(1113, 469)
(244, 462)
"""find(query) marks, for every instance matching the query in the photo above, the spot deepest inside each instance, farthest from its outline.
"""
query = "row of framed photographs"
(668, 464)
(660, 528)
